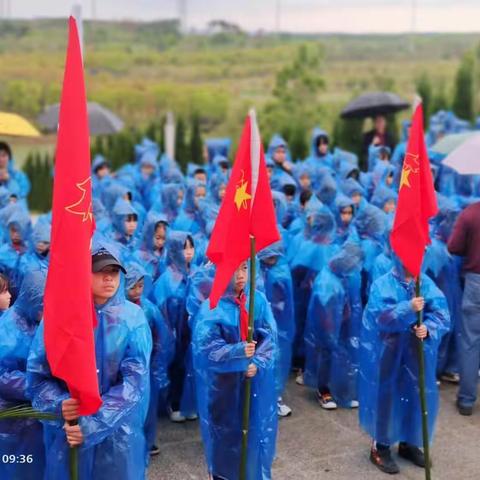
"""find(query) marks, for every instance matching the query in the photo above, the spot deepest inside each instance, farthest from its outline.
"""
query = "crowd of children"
(332, 302)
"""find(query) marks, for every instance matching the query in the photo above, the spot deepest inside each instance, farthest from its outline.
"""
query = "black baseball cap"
(103, 258)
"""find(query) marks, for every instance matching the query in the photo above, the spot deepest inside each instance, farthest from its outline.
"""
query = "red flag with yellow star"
(68, 308)
(247, 209)
(417, 201)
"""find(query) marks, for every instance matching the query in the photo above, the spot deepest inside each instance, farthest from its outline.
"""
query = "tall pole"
(278, 13)
(182, 15)
(421, 382)
(248, 380)
(413, 25)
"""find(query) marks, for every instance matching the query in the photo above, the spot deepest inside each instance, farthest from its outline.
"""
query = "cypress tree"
(424, 89)
(181, 150)
(196, 143)
(348, 135)
(298, 143)
(463, 100)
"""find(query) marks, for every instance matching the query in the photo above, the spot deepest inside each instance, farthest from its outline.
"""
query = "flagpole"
(248, 380)
(73, 457)
(421, 384)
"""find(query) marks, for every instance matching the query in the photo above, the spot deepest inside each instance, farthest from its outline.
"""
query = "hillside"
(141, 70)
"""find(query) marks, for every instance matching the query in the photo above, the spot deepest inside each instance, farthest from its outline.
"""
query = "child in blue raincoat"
(18, 324)
(388, 385)
(169, 293)
(14, 180)
(136, 286)
(152, 255)
(278, 286)
(223, 359)
(125, 225)
(111, 442)
(309, 252)
(19, 231)
(445, 270)
(333, 329)
(189, 218)
(38, 256)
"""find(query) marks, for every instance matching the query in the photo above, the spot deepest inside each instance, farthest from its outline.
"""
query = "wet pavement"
(318, 444)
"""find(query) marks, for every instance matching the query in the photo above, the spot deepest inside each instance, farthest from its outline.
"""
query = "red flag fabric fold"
(247, 209)
(68, 308)
(417, 201)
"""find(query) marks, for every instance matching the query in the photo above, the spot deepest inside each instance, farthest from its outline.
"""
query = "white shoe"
(326, 401)
(282, 409)
(177, 417)
(354, 404)
(192, 416)
(299, 379)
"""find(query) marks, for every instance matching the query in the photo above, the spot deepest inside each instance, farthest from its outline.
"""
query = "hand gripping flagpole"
(248, 380)
(421, 384)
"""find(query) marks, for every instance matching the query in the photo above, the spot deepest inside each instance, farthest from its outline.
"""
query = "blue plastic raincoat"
(309, 252)
(163, 344)
(114, 442)
(445, 270)
(220, 366)
(333, 326)
(388, 382)
(170, 293)
(17, 328)
(278, 286)
(153, 260)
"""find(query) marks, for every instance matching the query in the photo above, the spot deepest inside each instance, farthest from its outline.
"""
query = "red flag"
(417, 201)
(68, 312)
(247, 209)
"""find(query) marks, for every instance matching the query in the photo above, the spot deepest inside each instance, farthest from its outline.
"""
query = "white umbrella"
(465, 159)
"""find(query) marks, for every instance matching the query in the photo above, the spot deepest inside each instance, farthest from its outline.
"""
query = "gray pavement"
(316, 444)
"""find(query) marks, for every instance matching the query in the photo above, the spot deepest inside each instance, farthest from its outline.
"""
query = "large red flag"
(247, 209)
(417, 201)
(68, 312)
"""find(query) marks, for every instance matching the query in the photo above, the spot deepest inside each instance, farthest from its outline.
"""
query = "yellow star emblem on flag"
(80, 207)
(241, 195)
(410, 164)
(404, 179)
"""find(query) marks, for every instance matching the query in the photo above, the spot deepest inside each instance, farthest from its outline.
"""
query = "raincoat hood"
(29, 303)
(121, 209)
(175, 245)
(370, 222)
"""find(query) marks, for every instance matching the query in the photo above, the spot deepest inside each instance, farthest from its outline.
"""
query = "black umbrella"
(101, 121)
(374, 103)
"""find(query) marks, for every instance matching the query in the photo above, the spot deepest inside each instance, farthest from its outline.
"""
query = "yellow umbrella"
(15, 125)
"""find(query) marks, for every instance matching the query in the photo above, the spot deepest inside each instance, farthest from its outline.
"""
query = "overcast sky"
(294, 15)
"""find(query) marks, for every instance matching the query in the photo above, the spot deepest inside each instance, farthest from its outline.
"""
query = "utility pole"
(413, 25)
(182, 15)
(278, 14)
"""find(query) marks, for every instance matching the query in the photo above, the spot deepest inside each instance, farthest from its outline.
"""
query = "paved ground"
(315, 444)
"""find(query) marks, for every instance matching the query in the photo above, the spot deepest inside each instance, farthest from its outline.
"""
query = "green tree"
(425, 91)
(47, 184)
(440, 99)
(348, 135)
(298, 142)
(463, 99)
(196, 143)
(296, 93)
(181, 149)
